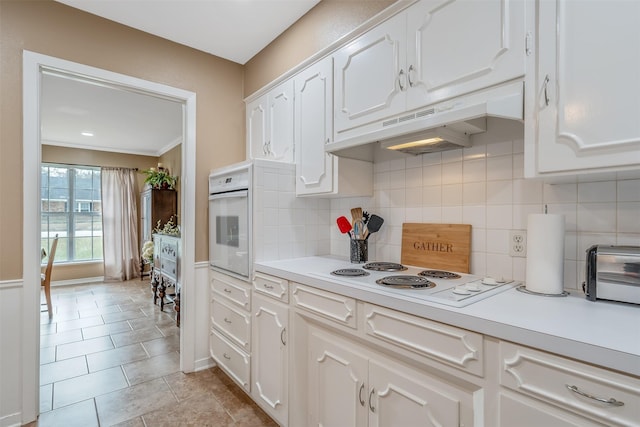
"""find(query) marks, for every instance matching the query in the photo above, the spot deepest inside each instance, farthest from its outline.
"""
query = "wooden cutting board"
(437, 246)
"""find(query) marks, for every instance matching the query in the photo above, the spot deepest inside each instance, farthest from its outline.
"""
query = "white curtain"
(120, 224)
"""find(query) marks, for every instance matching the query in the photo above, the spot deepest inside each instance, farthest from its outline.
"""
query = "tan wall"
(320, 27)
(172, 160)
(54, 154)
(54, 29)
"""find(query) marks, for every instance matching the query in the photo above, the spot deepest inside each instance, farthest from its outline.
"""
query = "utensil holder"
(359, 251)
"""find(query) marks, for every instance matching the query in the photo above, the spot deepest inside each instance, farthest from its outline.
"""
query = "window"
(71, 208)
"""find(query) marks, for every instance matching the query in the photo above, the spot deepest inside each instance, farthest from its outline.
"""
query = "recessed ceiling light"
(87, 133)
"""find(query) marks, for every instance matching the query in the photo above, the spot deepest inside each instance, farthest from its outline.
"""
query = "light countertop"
(602, 333)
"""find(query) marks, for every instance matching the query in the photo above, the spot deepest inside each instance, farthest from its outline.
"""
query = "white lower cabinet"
(270, 357)
(351, 385)
(230, 327)
(545, 381)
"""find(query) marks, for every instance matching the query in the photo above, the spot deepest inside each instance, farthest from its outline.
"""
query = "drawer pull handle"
(360, 398)
(227, 320)
(282, 340)
(546, 87)
(227, 290)
(267, 286)
(373, 390)
(611, 401)
(226, 356)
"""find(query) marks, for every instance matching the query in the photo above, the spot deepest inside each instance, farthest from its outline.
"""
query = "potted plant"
(160, 179)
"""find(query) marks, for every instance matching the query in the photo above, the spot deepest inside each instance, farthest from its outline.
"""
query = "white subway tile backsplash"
(397, 179)
(502, 148)
(413, 214)
(629, 190)
(597, 217)
(527, 191)
(560, 193)
(451, 156)
(628, 217)
(475, 215)
(432, 174)
(500, 217)
(431, 159)
(497, 242)
(452, 173)
(413, 178)
(451, 195)
(398, 164)
(499, 192)
(499, 168)
(521, 215)
(452, 214)
(474, 193)
(499, 266)
(474, 170)
(432, 214)
(432, 195)
(593, 192)
(479, 239)
(476, 151)
(569, 210)
(413, 197)
(413, 162)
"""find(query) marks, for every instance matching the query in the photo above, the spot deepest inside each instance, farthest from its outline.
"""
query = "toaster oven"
(613, 273)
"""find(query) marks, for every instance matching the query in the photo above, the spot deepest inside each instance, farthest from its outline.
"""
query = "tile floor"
(109, 356)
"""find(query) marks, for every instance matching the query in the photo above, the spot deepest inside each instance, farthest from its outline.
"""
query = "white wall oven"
(230, 222)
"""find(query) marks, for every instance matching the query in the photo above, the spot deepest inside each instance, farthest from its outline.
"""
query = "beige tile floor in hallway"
(109, 356)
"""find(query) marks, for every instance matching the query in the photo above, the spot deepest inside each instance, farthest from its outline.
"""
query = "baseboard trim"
(11, 420)
(205, 363)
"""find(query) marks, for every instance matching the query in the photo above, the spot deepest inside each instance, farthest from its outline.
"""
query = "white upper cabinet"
(368, 75)
(583, 107)
(318, 172)
(456, 47)
(431, 52)
(270, 124)
(314, 167)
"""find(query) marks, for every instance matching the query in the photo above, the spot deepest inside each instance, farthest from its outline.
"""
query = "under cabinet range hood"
(444, 126)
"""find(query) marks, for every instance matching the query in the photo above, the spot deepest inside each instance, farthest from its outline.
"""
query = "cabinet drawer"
(169, 268)
(447, 344)
(233, 290)
(169, 249)
(232, 360)
(235, 324)
(551, 378)
(272, 286)
(332, 306)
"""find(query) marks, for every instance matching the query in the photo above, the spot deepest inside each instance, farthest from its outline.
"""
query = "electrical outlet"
(518, 243)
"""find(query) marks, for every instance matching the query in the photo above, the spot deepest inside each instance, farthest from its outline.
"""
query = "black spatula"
(374, 224)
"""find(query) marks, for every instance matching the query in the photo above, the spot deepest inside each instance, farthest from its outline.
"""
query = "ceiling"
(232, 29)
(138, 123)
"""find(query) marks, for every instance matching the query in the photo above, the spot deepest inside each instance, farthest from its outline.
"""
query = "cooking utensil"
(373, 225)
(344, 225)
(356, 214)
(360, 230)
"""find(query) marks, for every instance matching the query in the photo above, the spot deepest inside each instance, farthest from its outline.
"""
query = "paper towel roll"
(545, 254)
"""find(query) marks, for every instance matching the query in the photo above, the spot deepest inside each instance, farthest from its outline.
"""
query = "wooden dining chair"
(45, 278)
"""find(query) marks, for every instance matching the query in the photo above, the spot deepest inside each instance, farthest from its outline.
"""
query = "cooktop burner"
(439, 274)
(384, 266)
(350, 272)
(413, 282)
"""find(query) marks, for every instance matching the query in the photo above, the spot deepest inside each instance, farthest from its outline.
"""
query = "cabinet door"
(280, 128)
(400, 396)
(270, 361)
(314, 167)
(367, 76)
(456, 47)
(337, 388)
(586, 95)
(257, 128)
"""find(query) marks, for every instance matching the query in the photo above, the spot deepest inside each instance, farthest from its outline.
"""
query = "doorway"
(33, 66)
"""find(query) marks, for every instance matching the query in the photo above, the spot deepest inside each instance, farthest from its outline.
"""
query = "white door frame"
(33, 64)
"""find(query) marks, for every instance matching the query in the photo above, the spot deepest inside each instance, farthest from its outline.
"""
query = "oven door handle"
(229, 195)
